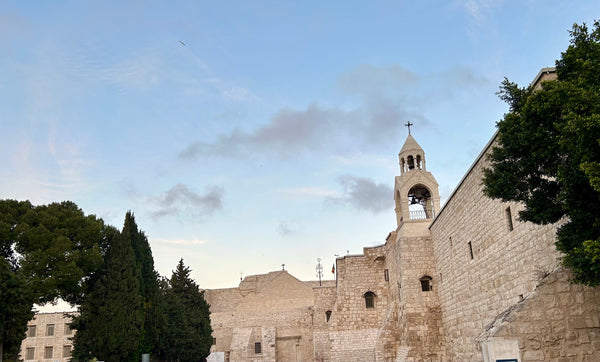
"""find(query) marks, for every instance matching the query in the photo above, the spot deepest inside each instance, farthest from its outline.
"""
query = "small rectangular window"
(426, 283)
(48, 351)
(386, 275)
(214, 341)
(257, 348)
(30, 353)
(50, 329)
(31, 331)
(68, 330)
(509, 218)
(66, 351)
(471, 250)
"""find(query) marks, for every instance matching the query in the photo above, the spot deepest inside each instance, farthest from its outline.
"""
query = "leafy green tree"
(188, 334)
(50, 251)
(110, 323)
(548, 153)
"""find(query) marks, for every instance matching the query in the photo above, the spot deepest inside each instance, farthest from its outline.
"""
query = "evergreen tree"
(149, 288)
(188, 334)
(110, 323)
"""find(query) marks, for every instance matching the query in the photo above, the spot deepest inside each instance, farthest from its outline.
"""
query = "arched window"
(369, 299)
(328, 315)
(426, 283)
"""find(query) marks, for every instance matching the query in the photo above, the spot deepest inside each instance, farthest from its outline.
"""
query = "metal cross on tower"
(408, 124)
(319, 270)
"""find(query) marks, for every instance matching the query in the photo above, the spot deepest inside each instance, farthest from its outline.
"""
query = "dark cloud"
(288, 131)
(364, 194)
(180, 200)
(388, 97)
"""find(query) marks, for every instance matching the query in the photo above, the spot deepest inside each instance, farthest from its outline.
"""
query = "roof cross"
(408, 124)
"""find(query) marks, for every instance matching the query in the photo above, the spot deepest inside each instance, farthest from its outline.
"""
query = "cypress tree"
(188, 334)
(149, 288)
(110, 323)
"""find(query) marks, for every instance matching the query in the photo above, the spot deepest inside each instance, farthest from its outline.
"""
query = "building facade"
(48, 338)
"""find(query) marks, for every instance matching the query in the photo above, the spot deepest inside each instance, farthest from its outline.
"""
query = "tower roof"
(410, 145)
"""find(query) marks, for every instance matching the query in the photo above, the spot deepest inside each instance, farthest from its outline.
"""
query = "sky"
(249, 134)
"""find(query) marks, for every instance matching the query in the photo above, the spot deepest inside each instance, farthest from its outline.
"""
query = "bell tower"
(415, 191)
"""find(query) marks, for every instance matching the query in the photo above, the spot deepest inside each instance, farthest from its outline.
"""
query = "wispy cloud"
(478, 13)
(364, 194)
(44, 164)
(180, 200)
(232, 91)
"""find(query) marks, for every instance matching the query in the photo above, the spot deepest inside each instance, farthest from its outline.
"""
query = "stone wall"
(484, 264)
(354, 327)
(557, 322)
(276, 310)
(419, 316)
(325, 297)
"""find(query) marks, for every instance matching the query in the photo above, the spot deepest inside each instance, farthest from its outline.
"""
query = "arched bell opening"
(420, 203)
(410, 161)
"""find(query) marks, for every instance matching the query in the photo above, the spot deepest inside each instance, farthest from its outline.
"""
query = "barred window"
(369, 299)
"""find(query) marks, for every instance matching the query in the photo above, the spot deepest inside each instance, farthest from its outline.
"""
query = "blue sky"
(246, 135)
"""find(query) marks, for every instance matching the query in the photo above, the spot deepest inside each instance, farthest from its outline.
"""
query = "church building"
(466, 282)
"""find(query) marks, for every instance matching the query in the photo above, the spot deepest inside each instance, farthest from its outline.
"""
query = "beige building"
(466, 282)
(48, 338)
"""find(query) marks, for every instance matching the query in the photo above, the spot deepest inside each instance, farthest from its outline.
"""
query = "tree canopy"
(548, 153)
(46, 252)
